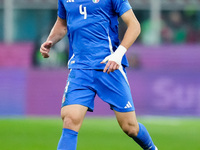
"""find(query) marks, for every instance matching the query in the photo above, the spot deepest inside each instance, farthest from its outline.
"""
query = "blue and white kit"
(93, 34)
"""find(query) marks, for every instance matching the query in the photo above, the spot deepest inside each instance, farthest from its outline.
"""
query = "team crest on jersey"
(95, 1)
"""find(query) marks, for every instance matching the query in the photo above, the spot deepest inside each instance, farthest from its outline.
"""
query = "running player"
(97, 65)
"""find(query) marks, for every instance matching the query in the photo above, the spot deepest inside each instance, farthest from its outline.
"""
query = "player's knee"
(130, 129)
(70, 122)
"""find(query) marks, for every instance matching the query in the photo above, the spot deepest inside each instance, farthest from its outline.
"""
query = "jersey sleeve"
(121, 6)
(61, 10)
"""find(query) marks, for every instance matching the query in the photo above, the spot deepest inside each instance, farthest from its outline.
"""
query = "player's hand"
(45, 48)
(112, 65)
(114, 60)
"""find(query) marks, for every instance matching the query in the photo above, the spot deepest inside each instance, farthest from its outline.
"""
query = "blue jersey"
(92, 30)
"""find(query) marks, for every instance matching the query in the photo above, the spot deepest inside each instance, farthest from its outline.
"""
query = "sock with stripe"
(143, 138)
(68, 140)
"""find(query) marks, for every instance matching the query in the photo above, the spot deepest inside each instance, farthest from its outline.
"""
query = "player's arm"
(133, 29)
(131, 34)
(58, 31)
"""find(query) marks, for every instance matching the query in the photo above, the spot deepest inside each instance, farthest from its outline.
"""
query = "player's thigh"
(73, 116)
(114, 89)
(127, 120)
(79, 89)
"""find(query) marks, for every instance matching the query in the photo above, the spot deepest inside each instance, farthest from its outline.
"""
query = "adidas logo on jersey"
(128, 105)
(69, 1)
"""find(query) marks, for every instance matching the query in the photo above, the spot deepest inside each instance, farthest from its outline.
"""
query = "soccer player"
(97, 65)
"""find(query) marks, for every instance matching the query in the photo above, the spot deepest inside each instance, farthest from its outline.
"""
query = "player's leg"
(77, 99)
(72, 116)
(135, 130)
(114, 89)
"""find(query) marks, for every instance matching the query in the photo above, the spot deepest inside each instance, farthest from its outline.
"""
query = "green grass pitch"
(98, 134)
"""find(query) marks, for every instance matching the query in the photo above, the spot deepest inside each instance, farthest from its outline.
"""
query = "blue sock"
(143, 138)
(68, 140)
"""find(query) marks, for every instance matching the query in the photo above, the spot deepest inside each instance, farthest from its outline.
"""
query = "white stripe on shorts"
(123, 73)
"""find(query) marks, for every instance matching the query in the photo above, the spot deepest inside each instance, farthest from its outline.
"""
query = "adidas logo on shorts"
(128, 105)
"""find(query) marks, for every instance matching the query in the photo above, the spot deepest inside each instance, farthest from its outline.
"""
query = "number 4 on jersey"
(83, 11)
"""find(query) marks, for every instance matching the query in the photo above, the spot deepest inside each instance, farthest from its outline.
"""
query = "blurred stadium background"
(164, 76)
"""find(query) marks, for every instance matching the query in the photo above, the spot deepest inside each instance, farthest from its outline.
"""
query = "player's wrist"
(121, 50)
(118, 54)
